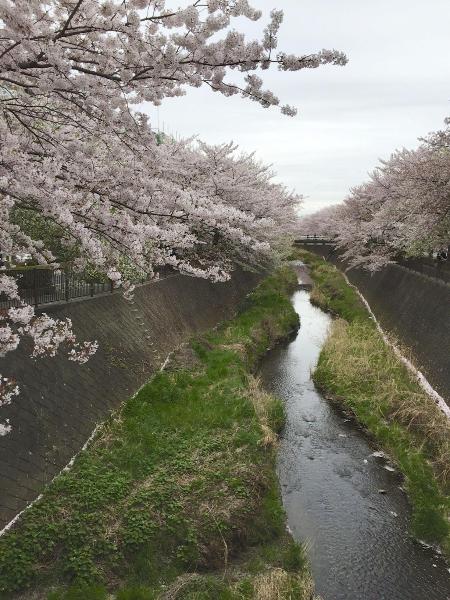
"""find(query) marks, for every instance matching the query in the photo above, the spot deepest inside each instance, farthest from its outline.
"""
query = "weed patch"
(177, 486)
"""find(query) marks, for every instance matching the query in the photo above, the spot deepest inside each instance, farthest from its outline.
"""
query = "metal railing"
(436, 267)
(432, 267)
(41, 286)
(314, 239)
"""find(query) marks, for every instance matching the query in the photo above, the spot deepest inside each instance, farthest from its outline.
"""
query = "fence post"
(91, 288)
(35, 288)
(111, 283)
(66, 286)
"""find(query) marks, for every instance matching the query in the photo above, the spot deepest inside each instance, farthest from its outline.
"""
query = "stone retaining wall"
(61, 402)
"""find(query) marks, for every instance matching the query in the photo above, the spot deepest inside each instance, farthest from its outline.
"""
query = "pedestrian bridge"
(312, 240)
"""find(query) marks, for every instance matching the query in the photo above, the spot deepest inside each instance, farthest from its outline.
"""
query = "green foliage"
(39, 227)
(206, 588)
(82, 592)
(64, 248)
(294, 558)
(136, 593)
(276, 415)
(178, 480)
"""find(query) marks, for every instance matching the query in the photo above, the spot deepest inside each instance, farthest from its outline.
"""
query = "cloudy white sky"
(395, 88)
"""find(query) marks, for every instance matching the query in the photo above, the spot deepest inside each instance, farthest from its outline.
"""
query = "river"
(338, 496)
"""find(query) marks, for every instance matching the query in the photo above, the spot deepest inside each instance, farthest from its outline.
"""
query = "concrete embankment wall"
(61, 402)
(412, 306)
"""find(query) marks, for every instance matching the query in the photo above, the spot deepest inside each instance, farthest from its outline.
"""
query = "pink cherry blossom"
(402, 211)
(75, 149)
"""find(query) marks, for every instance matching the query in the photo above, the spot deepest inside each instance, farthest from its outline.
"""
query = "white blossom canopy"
(403, 210)
(74, 149)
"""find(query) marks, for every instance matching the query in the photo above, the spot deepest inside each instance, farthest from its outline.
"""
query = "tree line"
(403, 210)
(76, 151)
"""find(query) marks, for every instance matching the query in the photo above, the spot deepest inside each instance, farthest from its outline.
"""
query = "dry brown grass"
(236, 347)
(272, 584)
(178, 586)
(262, 403)
(318, 298)
(357, 355)
(278, 584)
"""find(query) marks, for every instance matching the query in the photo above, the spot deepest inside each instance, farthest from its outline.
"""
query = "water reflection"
(336, 494)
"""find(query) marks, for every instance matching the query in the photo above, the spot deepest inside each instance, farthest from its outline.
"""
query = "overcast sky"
(395, 88)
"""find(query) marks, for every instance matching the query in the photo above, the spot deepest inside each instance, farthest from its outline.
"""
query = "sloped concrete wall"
(61, 402)
(414, 307)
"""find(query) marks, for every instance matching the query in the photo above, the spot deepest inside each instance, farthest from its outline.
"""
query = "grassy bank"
(176, 497)
(356, 367)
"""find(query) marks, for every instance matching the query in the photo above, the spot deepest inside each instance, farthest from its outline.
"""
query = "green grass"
(331, 291)
(178, 491)
(358, 368)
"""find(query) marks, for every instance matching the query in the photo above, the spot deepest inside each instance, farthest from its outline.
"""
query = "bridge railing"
(313, 239)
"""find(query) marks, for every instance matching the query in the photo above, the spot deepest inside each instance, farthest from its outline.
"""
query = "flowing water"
(359, 545)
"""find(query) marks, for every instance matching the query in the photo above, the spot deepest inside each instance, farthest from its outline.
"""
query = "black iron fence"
(438, 268)
(42, 286)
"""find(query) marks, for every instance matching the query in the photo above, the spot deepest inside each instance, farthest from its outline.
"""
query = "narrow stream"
(359, 546)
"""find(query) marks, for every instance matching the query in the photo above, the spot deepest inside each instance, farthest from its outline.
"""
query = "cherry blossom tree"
(402, 211)
(322, 223)
(75, 149)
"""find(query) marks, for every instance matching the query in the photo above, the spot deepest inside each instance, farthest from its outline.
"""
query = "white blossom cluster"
(8, 389)
(74, 149)
(47, 334)
(402, 211)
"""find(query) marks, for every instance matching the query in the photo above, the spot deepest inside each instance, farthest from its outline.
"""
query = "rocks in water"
(379, 454)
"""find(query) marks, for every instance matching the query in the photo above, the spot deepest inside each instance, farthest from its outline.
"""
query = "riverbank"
(358, 369)
(177, 496)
